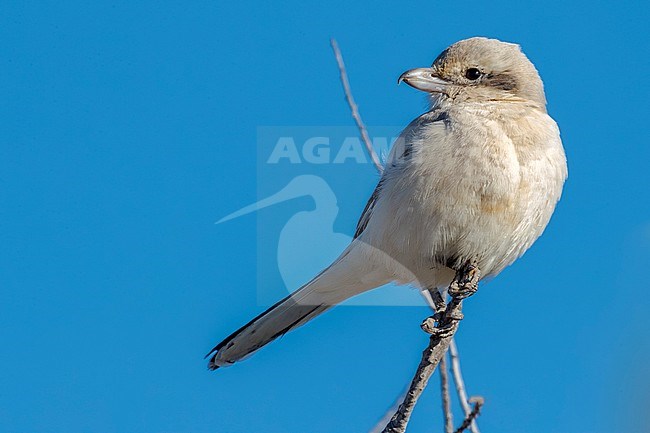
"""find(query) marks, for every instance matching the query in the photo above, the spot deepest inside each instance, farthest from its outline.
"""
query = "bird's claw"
(468, 285)
(444, 331)
(462, 291)
(442, 323)
(429, 324)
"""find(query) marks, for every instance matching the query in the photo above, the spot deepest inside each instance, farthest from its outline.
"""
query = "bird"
(475, 178)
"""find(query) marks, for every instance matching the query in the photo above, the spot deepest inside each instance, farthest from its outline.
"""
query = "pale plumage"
(478, 176)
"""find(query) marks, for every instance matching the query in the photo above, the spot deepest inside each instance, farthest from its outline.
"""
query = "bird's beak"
(425, 79)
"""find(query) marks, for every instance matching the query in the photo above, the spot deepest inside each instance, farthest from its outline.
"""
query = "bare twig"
(460, 385)
(478, 403)
(353, 107)
(444, 391)
(430, 359)
(455, 370)
(442, 327)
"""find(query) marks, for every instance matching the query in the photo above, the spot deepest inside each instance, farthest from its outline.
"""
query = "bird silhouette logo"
(308, 242)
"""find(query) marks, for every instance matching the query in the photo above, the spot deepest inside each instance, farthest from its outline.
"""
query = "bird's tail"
(348, 276)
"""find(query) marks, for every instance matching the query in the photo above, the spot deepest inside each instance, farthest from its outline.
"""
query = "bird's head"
(479, 69)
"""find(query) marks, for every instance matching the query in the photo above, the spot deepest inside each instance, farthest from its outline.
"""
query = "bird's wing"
(401, 151)
(367, 211)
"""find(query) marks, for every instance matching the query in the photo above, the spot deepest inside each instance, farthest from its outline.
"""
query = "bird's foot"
(429, 324)
(440, 327)
(446, 331)
(443, 323)
(465, 284)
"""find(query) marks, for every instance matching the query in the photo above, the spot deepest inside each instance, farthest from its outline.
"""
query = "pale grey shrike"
(476, 177)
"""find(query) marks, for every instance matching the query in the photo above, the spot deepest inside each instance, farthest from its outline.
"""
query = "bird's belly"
(437, 225)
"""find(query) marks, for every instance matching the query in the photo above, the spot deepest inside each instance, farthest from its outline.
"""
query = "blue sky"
(128, 129)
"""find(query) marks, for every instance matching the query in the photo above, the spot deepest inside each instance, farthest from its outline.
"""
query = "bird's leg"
(445, 326)
(465, 283)
(439, 302)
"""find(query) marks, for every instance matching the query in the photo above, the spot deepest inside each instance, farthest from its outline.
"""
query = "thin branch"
(478, 403)
(353, 107)
(430, 359)
(460, 385)
(442, 327)
(444, 391)
(456, 370)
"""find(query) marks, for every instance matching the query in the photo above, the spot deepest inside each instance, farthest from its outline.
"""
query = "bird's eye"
(472, 74)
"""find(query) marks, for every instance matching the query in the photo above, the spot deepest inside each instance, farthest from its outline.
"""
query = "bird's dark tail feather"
(271, 324)
(341, 280)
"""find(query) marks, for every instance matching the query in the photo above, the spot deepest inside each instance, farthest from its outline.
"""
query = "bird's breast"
(471, 189)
